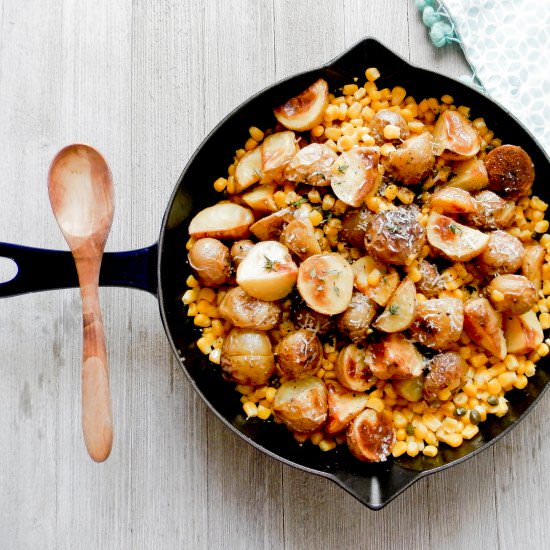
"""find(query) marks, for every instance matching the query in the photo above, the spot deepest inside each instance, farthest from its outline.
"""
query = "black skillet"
(162, 270)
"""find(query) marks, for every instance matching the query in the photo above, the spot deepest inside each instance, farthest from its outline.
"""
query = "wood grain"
(144, 81)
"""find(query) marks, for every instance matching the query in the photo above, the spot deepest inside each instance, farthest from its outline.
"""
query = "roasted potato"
(395, 357)
(299, 353)
(446, 371)
(248, 170)
(355, 321)
(384, 118)
(531, 266)
(247, 357)
(222, 221)
(277, 151)
(270, 227)
(511, 171)
(399, 312)
(523, 333)
(260, 199)
(299, 237)
(512, 294)
(413, 160)
(395, 236)
(312, 165)
(438, 322)
(491, 211)
(302, 404)
(305, 317)
(455, 137)
(452, 200)
(431, 283)
(371, 436)
(343, 407)
(211, 261)
(410, 389)
(483, 325)
(244, 311)
(470, 175)
(239, 250)
(503, 254)
(354, 226)
(352, 370)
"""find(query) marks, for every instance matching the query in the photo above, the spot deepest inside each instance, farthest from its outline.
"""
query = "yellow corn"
(256, 133)
(250, 409)
(202, 320)
(263, 412)
(327, 445)
(399, 448)
(375, 403)
(430, 451)
(372, 74)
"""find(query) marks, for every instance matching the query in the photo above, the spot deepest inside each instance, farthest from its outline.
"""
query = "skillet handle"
(41, 269)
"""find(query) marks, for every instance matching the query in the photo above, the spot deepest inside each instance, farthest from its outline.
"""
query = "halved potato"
(222, 221)
(312, 165)
(371, 436)
(267, 272)
(352, 370)
(395, 357)
(533, 258)
(413, 160)
(458, 242)
(470, 175)
(343, 407)
(455, 137)
(270, 227)
(399, 312)
(452, 200)
(306, 110)
(261, 198)
(277, 151)
(325, 282)
(249, 170)
(355, 174)
(483, 325)
(381, 291)
(410, 389)
(512, 294)
(523, 333)
(299, 237)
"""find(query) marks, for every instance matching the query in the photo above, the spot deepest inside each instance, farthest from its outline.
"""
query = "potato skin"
(247, 357)
(504, 254)
(244, 311)
(354, 227)
(356, 320)
(446, 372)
(491, 212)
(395, 236)
(305, 317)
(312, 165)
(413, 161)
(211, 261)
(431, 282)
(381, 119)
(239, 250)
(519, 294)
(371, 436)
(299, 353)
(510, 170)
(302, 404)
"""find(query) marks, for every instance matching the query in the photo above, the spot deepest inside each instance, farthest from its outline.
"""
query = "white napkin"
(507, 43)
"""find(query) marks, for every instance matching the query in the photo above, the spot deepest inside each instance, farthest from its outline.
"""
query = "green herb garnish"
(269, 264)
(394, 309)
(298, 202)
(342, 169)
(454, 228)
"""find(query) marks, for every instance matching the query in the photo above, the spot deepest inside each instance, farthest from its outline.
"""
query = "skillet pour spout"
(162, 270)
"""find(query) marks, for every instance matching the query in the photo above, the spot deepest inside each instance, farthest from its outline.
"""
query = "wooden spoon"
(81, 194)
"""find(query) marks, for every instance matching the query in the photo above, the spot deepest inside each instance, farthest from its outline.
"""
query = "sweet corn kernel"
(387, 149)
(401, 434)
(470, 389)
(507, 380)
(192, 310)
(375, 403)
(521, 382)
(250, 144)
(406, 196)
(215, 356)
(190, 296)
(398, 94)
(399, 448)
(327, 445)
(430, 451)
(470, 431)
(449, 425)
(314, 196)
(318, 131)
(374, 277)
(256, 133)
(544, 319)
(543, 349)
(372, 74)
(392, 132)
(412, 448)
(399, 420)
(431, 422)
(345, 143)
(201, 320)
(220, 184)
(207, 294)
(448, 99)
(191, 281)
(263, 412)
(542, 226)
(453, 440)
(328, 202)
(494, 387)
(316, 438)
(250, 409)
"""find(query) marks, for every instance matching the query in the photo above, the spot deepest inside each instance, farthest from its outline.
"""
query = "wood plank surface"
(144, 81)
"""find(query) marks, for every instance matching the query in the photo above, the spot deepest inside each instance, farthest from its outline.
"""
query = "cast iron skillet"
(161, 269)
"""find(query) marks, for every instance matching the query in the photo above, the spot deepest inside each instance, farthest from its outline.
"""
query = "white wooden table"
(144, 81)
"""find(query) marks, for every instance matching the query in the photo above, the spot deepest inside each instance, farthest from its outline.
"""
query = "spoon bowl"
(81, 194)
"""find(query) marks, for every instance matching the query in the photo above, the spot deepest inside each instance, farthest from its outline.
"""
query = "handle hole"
(8, 270)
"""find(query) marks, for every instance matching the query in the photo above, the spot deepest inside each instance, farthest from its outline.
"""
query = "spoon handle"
(97, 419)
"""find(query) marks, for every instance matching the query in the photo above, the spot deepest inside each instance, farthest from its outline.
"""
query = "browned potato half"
(399, 312)
(248, 170)
(531, 267)
(446, 371)
(260, 199)
(384, 118)
(277, 151)
(355, 175)
(362, 268)
(395, 357)
(270, 227)
(222, 221)
(239, 250)
(523, 333)
(371, 436)
(491, 211)
(312, 165)
(247, 357)
(306, 110)
(299, 353)
(343, 407)
(431, 283)
(411, 389)
(383, 291)
(413, 160)
(305, 317)
(325, 282)
(302, 404)
(452, 200)
(483, 325)
(503, 254)
(456, 241)
(511, 171)
(354, 226)
(267, 272)
(455, 137)
(352, 370)
(513, 294)
(211, 261)
(438, 322)
(356, 320)
(244, 311)
(470, 175)
(395, 236)
(299, 237)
